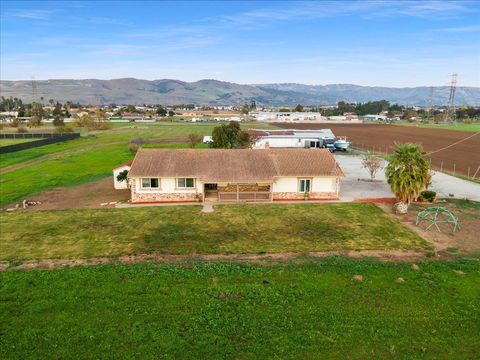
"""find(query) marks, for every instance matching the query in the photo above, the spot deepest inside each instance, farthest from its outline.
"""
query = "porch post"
(238, 194)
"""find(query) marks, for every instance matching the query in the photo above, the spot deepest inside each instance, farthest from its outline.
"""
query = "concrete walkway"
(207, 207)
(354, 186)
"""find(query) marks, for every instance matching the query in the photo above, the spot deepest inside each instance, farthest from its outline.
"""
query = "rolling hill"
(214, 92)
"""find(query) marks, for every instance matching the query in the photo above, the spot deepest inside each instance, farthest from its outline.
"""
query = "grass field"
(459, 127)
(6, 142)
(73, 169)
(196, 310)
(31, 171)
(185, 230)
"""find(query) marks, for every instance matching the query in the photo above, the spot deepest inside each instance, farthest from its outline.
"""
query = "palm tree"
(408, 173)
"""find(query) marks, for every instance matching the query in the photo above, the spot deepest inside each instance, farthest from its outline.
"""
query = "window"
(149, 183)
(185, 183)
(304, 185)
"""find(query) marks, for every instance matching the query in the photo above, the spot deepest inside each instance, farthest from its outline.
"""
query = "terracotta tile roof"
(234, 165)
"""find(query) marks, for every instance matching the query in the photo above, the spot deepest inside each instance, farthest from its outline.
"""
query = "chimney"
(267, 145)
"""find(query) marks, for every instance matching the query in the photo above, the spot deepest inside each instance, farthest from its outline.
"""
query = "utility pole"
(451, 110)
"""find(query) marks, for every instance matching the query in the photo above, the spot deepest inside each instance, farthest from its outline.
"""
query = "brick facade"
(300, 196)
(152, 196)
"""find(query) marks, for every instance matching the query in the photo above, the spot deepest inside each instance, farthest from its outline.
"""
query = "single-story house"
(233, 175)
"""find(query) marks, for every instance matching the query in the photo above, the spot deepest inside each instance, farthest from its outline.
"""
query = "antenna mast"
(451, 110)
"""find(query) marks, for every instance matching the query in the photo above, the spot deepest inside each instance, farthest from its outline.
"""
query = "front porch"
(238, 192)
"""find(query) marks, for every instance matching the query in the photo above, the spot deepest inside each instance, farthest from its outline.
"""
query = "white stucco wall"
(282, 142)
(168, 186)
(319, 184)
(120, 184)
(324, 184)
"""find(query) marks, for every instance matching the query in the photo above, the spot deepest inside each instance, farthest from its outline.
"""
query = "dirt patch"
(465, 240)
(394, 255)
(89, 195)
(381, 139)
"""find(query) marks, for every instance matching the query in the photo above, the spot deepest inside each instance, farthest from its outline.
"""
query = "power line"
(455, 143)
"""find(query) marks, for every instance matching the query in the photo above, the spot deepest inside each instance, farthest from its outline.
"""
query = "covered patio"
(238, 192)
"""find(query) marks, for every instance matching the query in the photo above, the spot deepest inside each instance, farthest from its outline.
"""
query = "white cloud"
(461, 29)
(32, 14)
(366, 9)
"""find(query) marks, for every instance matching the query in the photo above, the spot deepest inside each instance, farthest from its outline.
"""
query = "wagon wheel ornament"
(437, 215)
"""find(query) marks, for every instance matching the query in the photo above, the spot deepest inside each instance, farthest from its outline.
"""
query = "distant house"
(233, 175)
(375, 117)
(269, 116)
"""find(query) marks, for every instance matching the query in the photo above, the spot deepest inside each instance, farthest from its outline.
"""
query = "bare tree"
(194, 139)
(373, 164)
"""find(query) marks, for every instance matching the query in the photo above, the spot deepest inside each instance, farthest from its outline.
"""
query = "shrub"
(101, 125)
(22, 129)
(133, 148)
(122, 176)
(63, 129)
(194, 139)
(34, 121)
(373, 164)
(15, 123)
(58, 122)
(428, 196)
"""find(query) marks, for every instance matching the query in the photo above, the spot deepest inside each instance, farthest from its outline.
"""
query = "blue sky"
(390, 43)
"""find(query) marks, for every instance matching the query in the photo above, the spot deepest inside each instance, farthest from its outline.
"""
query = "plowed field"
(462, 158)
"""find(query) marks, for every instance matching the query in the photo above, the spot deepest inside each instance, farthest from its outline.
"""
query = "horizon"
(366, 43)
(250, 84)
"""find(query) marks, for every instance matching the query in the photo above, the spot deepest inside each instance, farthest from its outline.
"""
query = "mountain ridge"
(135, 91)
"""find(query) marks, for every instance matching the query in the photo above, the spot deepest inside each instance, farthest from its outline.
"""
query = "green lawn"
(68, 170)
(309, 310)
(459, 127)
(185, 230)
(6, 142)
(88, 158)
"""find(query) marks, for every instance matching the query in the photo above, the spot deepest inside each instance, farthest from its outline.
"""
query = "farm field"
(93, 156)
(199, 310)
(381, 138)
(184, 230)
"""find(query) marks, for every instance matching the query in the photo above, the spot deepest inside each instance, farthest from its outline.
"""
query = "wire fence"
(45, 140)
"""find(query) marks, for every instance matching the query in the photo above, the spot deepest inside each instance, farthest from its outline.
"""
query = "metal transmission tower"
(451, 100)
(430, 104)
(34, 90)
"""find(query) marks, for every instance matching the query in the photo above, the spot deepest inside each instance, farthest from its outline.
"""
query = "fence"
(465, 167)
(46, 139)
